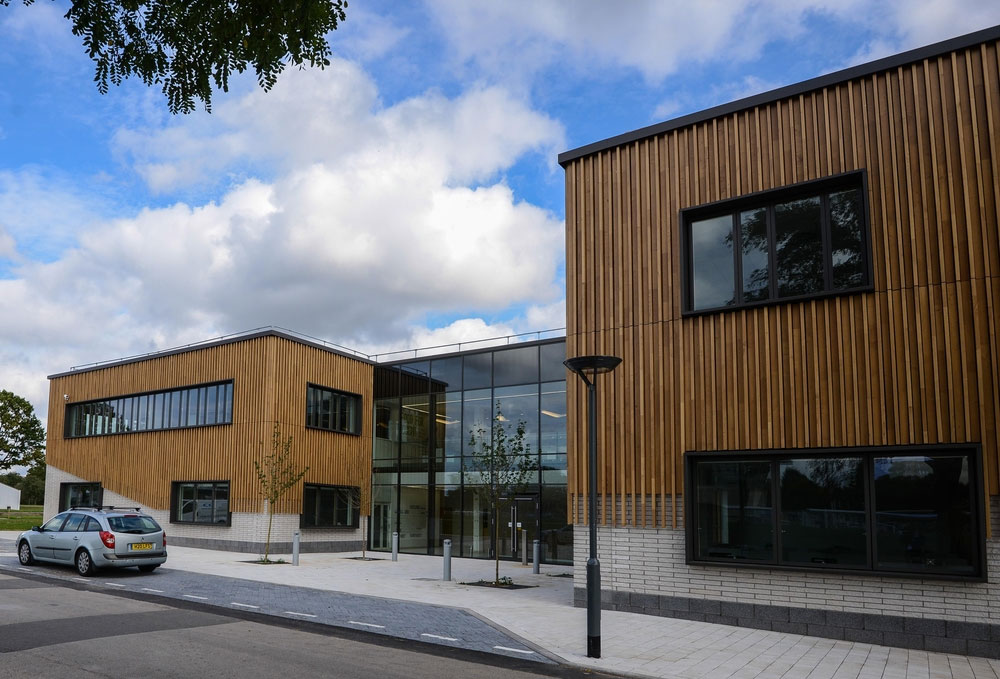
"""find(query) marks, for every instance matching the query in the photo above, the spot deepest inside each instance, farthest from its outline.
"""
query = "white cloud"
(373, 219)
(514, 40)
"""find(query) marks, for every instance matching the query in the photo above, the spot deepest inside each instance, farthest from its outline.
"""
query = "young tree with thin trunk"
(276, 475)
(501, 458)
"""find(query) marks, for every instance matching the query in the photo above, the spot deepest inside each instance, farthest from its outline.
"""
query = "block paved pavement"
(542, 618)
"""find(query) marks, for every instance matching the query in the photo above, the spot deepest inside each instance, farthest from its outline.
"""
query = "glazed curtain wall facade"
(422, 482)
(913, 361)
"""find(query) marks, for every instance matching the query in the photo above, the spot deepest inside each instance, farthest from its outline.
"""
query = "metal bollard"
(296, 536)
(536, 556)
(395, 546)
(447, 561)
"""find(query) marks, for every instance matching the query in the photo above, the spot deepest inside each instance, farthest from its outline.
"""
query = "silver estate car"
(96, 537)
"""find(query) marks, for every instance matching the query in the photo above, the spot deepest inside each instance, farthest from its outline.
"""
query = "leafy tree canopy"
(22, 438)
(190, 47)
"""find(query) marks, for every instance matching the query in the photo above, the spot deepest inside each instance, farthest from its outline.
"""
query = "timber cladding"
(914, 361)
(269, 374)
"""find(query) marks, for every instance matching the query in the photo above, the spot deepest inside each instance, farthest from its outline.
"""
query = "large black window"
(197, 406)
(205, 502)
(87, 494)
(333, 410)
(796, 242)
(890, 510)
(330, 506)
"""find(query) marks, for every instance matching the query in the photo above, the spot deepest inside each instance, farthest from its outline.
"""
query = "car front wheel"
(84, 564)
(24, 554)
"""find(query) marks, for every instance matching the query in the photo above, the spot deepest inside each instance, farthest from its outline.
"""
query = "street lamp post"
(588, 368)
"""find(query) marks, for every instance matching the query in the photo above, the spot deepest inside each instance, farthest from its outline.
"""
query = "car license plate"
(141, 546)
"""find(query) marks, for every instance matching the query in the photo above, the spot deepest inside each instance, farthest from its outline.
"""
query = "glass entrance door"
(521, 525)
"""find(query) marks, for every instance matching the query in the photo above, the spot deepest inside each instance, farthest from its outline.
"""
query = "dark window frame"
(977, 500)
(174, 508)
(138, 410)
(64, 490)
(356, 424)
(355, 490)
(767, 199)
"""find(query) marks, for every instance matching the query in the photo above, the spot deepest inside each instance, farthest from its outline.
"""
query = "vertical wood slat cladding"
(269, 385)
(916, 361)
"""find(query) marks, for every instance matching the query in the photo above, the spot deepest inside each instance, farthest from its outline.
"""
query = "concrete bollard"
(447, 561)
(296, 536)
(536, 556)
(395, 546)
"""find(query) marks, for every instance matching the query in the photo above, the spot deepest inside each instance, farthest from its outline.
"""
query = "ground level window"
(330, 506)
(889, 510)
(205, 502)
(87, 494)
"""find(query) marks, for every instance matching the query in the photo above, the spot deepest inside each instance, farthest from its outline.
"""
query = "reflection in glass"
(557, 532)
(551, 357)
(823, 519)
(478, 371)
(448, 519)
(415, 418)
(448, 432)
(446, 374)
(515, 405)
(383, 519)
(476, 523)
(712, 262)
(754, 246)
(798, 255)
(924, 515)
(735, 512)
(846, 239)
(515, 366)
(413, 513)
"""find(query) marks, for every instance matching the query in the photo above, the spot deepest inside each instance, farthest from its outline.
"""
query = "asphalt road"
(55, 629)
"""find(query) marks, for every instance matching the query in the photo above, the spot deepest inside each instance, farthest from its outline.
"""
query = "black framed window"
(195, 406)
(333, 410)
(86, 494)
(900, 510)
(202, 502)
(796, 242)
(330, 506)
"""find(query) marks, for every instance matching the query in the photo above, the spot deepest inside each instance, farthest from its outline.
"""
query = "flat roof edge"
(819, 82)
(271, 332)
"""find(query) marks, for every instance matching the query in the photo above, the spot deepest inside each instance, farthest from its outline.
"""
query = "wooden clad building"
(177, 432)
(805, 289)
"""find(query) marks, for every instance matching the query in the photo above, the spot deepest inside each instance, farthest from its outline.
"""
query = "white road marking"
(306, 615)
(237, 603)
(192, 596)
(113, 584)
(147, 589)
(366, 624)
(27, 570)
(515, 650)
(438, 636)
(83, 580)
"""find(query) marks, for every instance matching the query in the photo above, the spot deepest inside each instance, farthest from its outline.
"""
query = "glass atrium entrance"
(423, 481)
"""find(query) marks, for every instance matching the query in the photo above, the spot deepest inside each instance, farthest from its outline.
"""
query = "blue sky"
(406, 196)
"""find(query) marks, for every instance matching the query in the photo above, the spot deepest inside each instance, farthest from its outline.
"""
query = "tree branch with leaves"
(22, 438)
(501, 457)
(192, 48)
(277, 474)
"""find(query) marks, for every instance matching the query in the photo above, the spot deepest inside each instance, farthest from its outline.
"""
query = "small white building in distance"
(10, 498)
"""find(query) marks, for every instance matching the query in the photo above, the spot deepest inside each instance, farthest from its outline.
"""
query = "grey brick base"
(258, 547)
(948, 636)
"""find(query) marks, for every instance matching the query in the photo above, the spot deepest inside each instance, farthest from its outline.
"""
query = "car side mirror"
(38, 529)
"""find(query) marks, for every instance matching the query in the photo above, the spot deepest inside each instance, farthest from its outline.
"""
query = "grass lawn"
(25, 518)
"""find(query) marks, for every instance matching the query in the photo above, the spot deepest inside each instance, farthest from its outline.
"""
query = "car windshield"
(132, 524)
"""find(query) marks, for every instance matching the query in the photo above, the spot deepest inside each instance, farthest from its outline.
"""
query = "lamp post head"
(591, 365)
